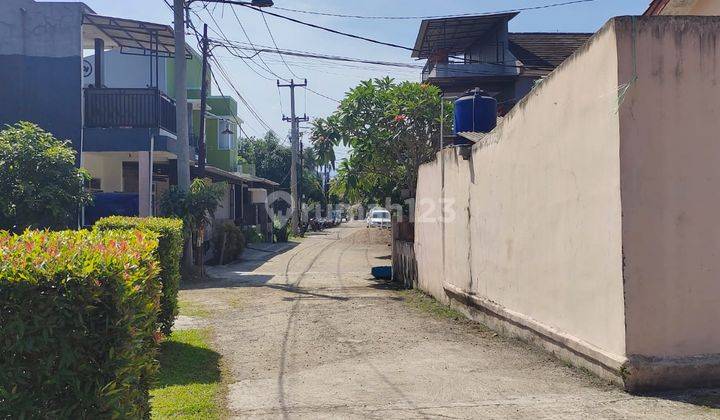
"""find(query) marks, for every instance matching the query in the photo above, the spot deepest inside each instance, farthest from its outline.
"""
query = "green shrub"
(78, 312)
(281, 230)
(252, 236)
(41, 186)
(169, 254)
(234, 242)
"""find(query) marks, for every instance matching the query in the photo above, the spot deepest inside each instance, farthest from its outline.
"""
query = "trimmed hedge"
(170, 249)
(78, 314)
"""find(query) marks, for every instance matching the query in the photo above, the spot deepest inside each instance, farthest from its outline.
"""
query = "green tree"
(272, 160)
(392, 128)
(196, 207)
(270, 157)
(41, 186)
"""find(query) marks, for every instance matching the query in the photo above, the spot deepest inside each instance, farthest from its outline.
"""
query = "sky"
(258, 86)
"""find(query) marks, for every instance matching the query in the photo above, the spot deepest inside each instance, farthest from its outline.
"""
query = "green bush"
(252, 236)
(281, 230)
(233, 238)
(169, 254)
(78, 312)
(41, 186)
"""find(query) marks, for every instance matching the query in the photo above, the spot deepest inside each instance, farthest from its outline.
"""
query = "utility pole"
(203, 102)
(302, 165)
(181, 109)
(295, 140)
(180, 7)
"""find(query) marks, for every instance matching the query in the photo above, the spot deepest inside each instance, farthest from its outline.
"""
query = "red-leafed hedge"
(169, 253)
(78, 322)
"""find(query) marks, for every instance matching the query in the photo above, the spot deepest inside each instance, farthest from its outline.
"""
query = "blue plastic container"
(475, 112)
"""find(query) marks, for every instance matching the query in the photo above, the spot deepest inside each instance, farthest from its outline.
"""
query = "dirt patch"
(371, 236)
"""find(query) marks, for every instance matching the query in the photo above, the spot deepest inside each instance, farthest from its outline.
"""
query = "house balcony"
(454, 79)
(129, 119)
(129, 108)
(453, 70)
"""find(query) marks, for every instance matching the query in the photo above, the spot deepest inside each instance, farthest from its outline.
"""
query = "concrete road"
(309, 334)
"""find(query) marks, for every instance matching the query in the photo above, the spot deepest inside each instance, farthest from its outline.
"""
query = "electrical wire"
(228, 80)
(307, 54)
(272, 37)
(214, 79)
(364, 38)
(242, 27)
(250, 108)
(520, 9)
(282, 111)
(228, 42)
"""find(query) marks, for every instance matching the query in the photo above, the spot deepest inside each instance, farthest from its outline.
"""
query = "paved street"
(307, 333)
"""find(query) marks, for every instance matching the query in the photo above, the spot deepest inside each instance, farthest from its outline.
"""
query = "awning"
(454, 35)
(130, 36)
(233, 177)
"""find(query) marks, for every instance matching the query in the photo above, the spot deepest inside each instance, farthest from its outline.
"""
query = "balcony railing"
(460, 69)
(133, 108)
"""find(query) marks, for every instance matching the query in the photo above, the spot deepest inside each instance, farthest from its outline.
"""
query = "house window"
(225, 135)
(94, 184)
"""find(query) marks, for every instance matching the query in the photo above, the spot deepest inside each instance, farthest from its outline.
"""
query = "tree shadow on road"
(239, 280)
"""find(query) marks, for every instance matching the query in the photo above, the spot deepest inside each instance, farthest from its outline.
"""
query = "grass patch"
(195, 309)
(189, 383)
(235, 302)
(420, 301)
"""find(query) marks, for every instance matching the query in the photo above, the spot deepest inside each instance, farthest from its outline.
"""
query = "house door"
(130, 177)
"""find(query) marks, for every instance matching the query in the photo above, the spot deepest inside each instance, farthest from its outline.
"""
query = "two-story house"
(478, 51)
(124, 134)
(106, 84)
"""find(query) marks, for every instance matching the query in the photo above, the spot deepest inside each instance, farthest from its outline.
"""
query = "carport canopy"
(130, 36)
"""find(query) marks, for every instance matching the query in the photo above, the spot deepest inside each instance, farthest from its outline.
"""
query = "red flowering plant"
(79, 316)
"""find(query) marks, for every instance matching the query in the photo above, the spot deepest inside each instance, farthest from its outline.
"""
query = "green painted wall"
(219, 106)
(223, 106)
(194, 75)
(223, 159)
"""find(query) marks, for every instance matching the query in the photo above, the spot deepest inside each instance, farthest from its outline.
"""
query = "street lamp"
(227, 131)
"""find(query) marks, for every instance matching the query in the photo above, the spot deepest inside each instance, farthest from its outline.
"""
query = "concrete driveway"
(309, 334)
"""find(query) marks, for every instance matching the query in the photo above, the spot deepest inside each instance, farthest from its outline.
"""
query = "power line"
(304, 54)
(230, 48)
(520, 9)
(228, 43)
(276, 47)
(363, 38)
(237, 18)
(241, 97)
(266, 68)
(308, 54)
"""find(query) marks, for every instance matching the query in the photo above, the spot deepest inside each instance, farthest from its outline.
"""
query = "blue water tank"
(476, 111)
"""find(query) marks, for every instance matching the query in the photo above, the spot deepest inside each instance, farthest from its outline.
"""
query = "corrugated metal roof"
(542, 51)
(131, 36)
(454, 35)
(237, 177)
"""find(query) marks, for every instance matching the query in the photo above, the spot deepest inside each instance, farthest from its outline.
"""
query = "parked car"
(378, 217)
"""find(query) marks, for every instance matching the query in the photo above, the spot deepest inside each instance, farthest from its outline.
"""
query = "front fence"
(404, 265)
